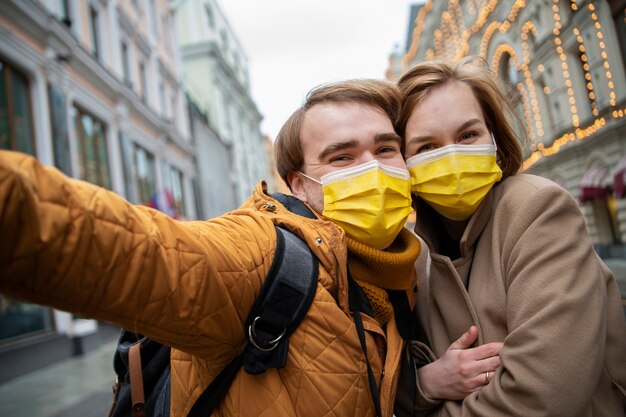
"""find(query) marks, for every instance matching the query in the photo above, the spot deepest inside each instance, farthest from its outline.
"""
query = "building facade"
(92, 87)
(215, 73)
(563, 62)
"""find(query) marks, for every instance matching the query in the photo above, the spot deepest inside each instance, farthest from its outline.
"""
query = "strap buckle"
(270, 345)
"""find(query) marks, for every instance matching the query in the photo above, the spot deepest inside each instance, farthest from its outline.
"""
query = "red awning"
(619, 178)
(592, 185)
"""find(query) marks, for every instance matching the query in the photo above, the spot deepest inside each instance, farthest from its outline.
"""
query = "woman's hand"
(460, 371)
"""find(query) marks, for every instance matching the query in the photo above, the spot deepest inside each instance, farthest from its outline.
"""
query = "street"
(76, 387)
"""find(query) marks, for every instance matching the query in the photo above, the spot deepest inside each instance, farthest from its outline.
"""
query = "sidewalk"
(76, 387)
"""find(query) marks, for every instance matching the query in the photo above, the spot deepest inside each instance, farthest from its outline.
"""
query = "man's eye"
(387, 149)
(339, 158)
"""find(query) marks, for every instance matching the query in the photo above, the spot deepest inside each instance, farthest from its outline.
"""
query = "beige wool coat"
(527, 276)
(78, 247)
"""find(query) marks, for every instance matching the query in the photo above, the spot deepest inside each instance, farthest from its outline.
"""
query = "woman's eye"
(468, 136)
(425, 148)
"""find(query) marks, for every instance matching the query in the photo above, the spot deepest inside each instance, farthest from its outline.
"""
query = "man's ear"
(296, 183)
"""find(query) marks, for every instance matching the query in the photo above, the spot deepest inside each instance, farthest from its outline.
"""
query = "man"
(78, 247)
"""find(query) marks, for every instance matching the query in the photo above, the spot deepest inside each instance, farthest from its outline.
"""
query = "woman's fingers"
(466, 340)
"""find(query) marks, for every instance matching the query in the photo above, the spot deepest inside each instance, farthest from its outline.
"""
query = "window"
(224, 37)
(16, 120)
(93, 153)
(153, 17)
(95, 32)
(60, 133)
(209, 15)
(143, 80)
(618, 9)
(173, 108)
(167, 33)
(18, 319)
(176, 182)
(144, 173)
(162, 100)
(64, 12)
(126, 65)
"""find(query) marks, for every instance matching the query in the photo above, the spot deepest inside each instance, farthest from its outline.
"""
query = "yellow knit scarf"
(379, 270)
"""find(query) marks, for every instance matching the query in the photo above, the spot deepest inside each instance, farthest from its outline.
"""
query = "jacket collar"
(326, 240)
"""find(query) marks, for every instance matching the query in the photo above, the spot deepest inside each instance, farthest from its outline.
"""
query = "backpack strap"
(358, 303)
(138, 403)
(284, 299)
(294, 205)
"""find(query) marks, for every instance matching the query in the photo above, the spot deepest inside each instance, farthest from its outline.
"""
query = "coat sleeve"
(77, 247)
(556, 310)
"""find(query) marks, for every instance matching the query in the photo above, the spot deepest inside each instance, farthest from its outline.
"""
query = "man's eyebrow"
(336, 147)
(381, 137)
(387, 137)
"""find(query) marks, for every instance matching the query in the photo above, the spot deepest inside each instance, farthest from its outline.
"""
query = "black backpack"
(142, 365)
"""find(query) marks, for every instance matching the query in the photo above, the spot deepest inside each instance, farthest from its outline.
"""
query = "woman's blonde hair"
(499, 115)
(383, 95)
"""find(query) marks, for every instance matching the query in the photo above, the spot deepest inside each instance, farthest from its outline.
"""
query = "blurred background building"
(215, 72)
(563, 62)
(98, 88)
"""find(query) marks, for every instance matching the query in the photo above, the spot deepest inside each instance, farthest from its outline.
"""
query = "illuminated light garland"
(526, 102)
(484, 42)
(529, 27)
(586, 70)
(462, 45)
(577, 134)
(603, 54)
(417, 33)
(559, 49)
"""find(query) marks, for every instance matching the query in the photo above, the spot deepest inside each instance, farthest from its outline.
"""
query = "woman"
(510, 255)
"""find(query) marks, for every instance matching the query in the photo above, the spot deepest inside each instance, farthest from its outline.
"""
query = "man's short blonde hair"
(380, 94)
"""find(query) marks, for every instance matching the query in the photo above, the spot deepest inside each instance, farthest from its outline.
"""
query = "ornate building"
(563, 61)
(93, 88)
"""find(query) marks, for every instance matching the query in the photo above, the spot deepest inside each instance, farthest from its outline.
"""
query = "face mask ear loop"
(311, 178)
(493, 139)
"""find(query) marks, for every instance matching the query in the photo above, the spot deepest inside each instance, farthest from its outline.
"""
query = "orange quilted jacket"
(78, 247)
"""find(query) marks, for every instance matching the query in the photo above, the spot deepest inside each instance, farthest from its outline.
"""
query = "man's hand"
(460, 371)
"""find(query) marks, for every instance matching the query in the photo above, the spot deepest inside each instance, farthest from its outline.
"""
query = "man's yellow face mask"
(371, 202)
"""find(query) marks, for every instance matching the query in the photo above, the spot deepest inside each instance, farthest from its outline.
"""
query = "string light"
(577, 134)
(563, 57)
(586, 71)
(417, 33)
(529, 28)
(603, 54)
(484, 42)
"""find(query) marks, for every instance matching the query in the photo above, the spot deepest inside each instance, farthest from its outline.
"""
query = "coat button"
(319, 240)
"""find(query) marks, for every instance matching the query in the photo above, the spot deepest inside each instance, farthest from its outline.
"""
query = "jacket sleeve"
(556, 312)
(77, 247)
